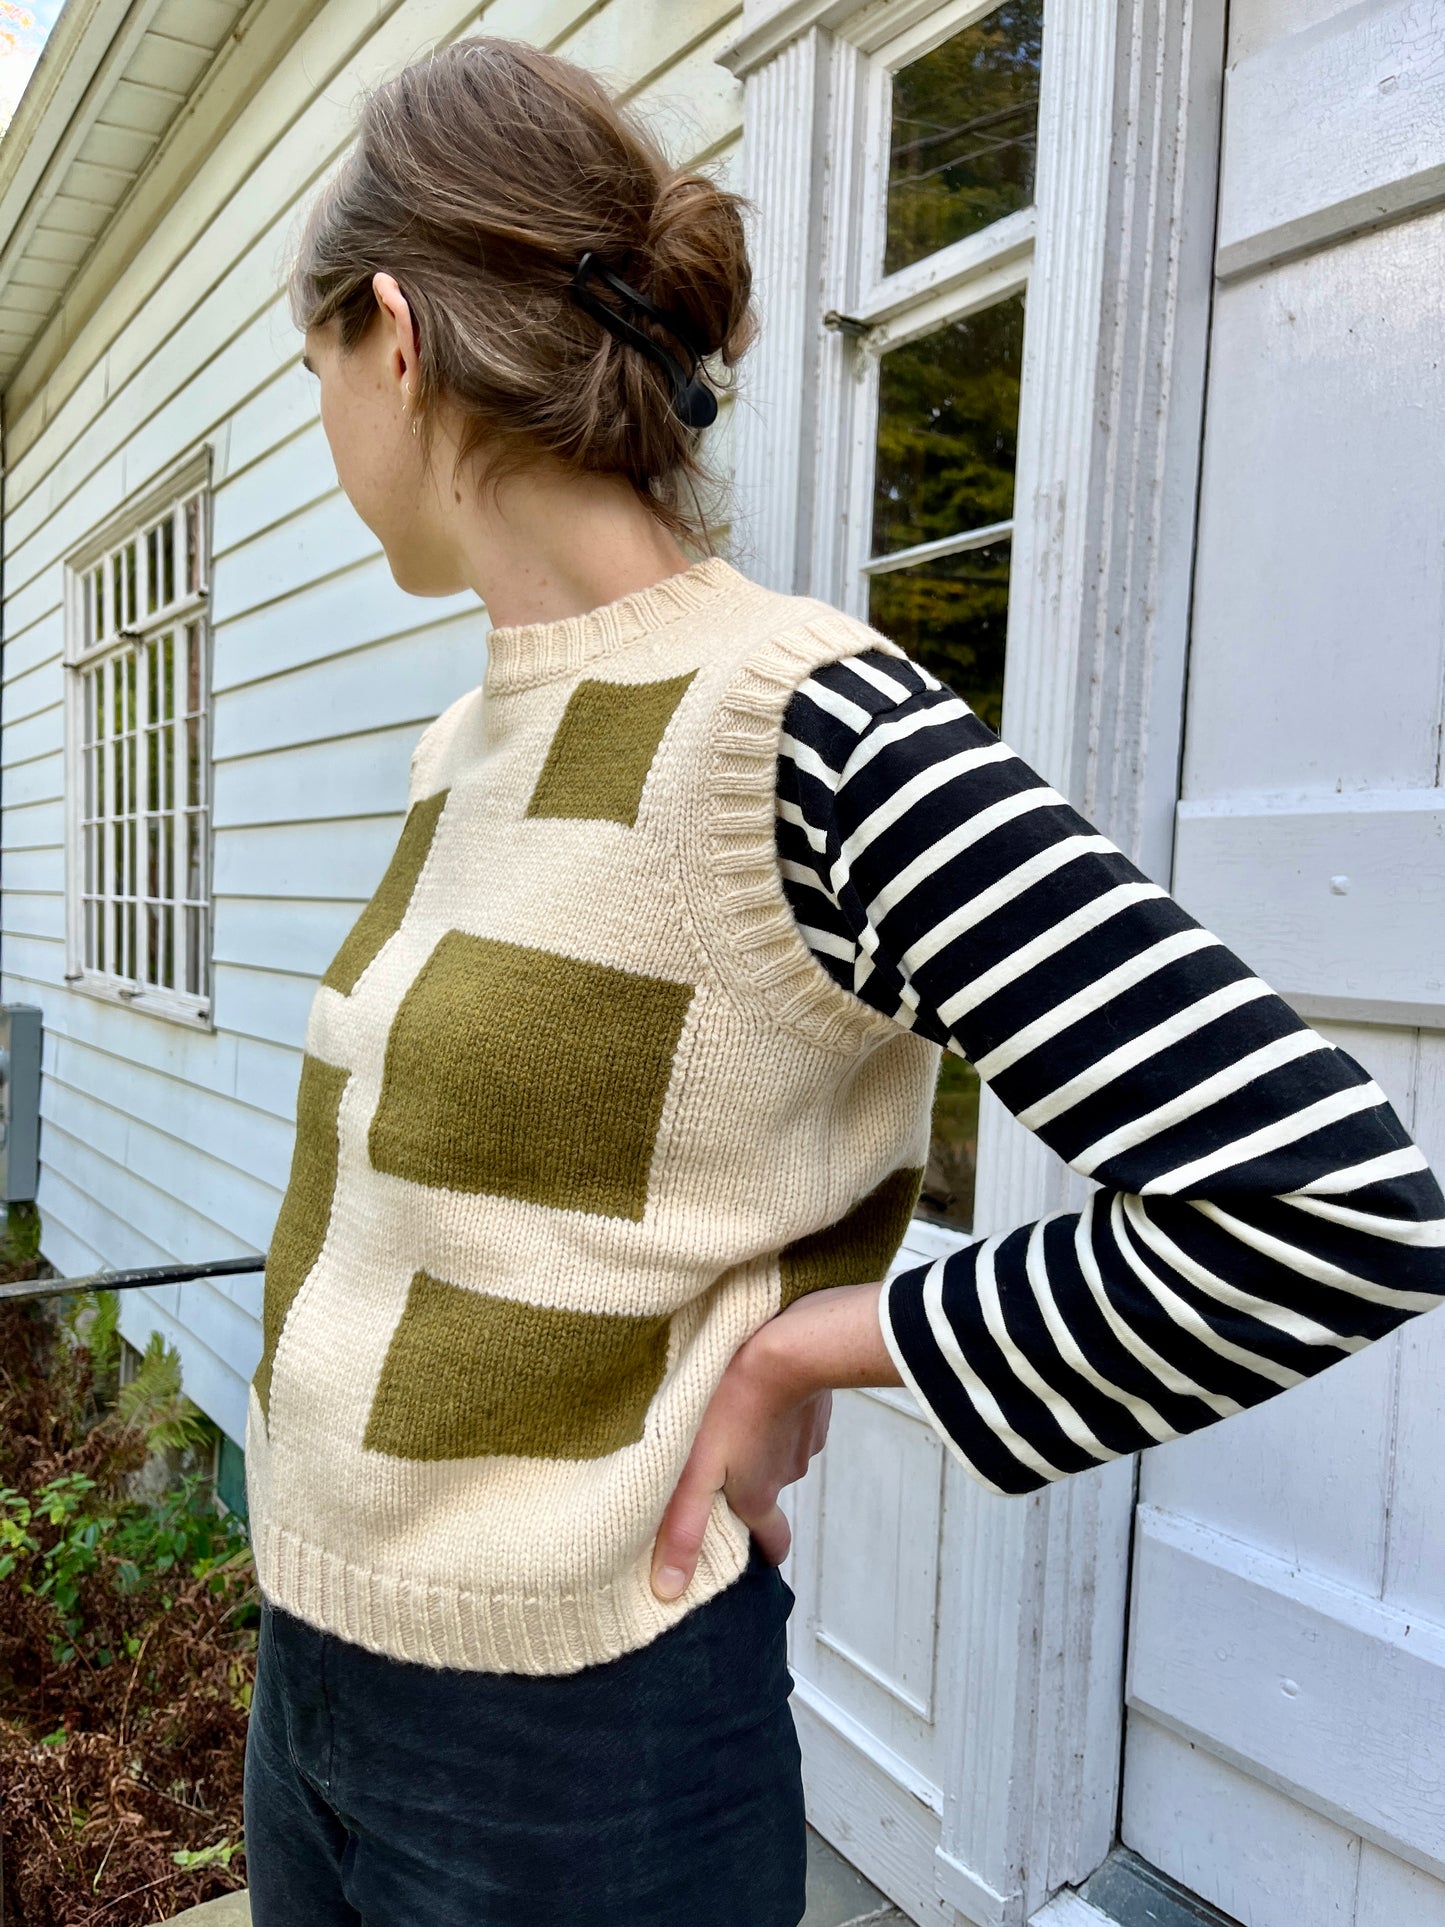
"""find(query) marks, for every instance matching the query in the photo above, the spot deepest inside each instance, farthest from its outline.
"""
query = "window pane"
(143, 786)
(965, 134)
(948, 409)
(951, 615)
(948, 417)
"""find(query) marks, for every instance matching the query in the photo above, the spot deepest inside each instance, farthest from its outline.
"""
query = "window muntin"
(939, 365)
(141, 928)
(964, 134)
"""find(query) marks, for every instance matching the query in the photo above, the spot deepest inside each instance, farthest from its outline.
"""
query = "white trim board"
(1330, 897)
(1286, 1674)
(1332, 130)
(1069, 1910)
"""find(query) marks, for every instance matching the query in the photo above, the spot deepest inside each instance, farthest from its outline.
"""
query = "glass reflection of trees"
(947, 434)
(965, 134)
(962, 157)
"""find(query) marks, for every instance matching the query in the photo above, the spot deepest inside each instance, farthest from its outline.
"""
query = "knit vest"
(579, 1110)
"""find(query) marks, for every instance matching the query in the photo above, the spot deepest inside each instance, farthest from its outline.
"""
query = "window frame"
(873, 313)
(877, 312)
(189, 478)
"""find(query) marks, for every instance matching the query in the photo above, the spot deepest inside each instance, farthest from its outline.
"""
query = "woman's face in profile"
(379, 461)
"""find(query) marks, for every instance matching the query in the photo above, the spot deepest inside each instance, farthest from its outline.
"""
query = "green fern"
(102, 1338)
(153, 1402)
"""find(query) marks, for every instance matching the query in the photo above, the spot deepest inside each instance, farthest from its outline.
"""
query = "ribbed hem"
(487, 1632)
(760, 928)
(521, 654)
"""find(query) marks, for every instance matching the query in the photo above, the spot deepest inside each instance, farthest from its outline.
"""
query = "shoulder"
(877, 710)
(456, 732)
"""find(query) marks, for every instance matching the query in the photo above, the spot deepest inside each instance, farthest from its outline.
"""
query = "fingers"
(773, 1535)
(680, 1536)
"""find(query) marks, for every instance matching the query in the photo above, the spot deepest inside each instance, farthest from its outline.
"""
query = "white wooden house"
(1224, 641)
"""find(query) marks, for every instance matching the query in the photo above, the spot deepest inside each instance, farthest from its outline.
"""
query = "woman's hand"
(767, 1419)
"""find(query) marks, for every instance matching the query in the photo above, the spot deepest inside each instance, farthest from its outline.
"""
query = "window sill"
(926, 1239)
(174, 1006)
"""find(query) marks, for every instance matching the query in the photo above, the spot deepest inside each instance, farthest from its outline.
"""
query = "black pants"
(658, 1789)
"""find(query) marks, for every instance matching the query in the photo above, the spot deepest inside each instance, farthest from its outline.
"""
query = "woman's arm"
(1262, 1212)
(767, 1419)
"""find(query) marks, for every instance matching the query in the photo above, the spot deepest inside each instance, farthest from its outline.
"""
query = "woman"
(615, 1102)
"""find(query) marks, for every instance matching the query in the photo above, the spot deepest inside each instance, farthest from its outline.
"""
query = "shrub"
(127, 1635)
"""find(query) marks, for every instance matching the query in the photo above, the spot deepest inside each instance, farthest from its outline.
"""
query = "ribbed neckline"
(520, 654)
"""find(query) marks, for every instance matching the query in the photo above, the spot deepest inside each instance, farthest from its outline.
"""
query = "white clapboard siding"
(408, 679)
(30, 693)
(39, 734)
(37, 913)
(254, 1143)
(28, 871)
(342, 610)
(32, 826)
(34, 779)
(340, 776)
(251, 932)
(38, 641)
(161, 1140)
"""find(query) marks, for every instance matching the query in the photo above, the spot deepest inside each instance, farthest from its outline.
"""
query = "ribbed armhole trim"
(764, 943)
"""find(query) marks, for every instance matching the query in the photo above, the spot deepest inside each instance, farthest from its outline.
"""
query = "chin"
(417, 579)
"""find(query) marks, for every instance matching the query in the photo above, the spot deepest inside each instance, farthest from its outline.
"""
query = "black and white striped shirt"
(1261, 1210)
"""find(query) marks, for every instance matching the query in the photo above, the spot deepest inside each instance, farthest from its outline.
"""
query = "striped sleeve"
(1260, 1211)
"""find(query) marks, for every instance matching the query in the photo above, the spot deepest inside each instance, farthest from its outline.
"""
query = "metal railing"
(35, 1288)
(130, 1280)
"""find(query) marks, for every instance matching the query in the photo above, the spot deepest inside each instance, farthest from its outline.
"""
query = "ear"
(403, 346)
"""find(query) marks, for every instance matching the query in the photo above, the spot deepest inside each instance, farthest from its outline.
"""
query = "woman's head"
(479, 178)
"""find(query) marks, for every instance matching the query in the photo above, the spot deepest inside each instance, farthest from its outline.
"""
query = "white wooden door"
(1285, 1750)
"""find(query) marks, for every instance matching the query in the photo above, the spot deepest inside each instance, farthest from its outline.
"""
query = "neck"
(546, 545)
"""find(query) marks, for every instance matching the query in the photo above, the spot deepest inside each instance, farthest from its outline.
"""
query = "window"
(138, 755)
(937, 326)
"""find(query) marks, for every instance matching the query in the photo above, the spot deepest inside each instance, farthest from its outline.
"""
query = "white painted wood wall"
(161, 1142)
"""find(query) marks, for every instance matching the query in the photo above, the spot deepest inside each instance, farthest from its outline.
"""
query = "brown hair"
(479, 177)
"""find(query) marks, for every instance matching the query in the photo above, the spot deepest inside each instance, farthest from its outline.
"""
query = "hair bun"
(697, 262)
(480, 176)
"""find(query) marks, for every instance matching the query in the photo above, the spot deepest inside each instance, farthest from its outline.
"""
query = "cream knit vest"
(578, 1111)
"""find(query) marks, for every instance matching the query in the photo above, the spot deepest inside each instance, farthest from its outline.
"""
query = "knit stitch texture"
(579, 1111)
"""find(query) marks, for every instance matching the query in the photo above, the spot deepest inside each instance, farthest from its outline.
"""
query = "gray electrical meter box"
(19, 1102)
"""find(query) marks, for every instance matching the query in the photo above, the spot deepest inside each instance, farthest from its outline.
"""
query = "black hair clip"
(693, 402)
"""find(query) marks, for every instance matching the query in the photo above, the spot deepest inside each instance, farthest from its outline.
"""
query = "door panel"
(1217, 1830)
(1285, 1748)
(1317, 645)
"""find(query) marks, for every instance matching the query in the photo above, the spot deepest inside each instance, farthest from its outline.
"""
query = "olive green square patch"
(860, 1247)
(471, 1376)
(604, 747)
(381, 919)
(527, 1074)
(305, 1209)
